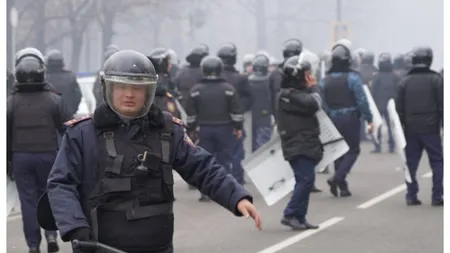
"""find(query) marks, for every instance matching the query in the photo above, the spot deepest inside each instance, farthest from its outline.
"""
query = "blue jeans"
(304, 174)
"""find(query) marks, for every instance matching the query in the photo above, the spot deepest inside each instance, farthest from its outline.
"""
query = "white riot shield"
(377, 119)
(273, 176)
(334, 145)
(399, 137)
(12, 196)
(182, 111)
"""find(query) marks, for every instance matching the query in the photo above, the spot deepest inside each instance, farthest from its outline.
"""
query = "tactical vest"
(262, 103)
(337, 94)
(132, 202)
(33, 122)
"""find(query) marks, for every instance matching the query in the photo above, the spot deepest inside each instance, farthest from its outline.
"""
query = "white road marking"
(387, 194)
(303, 235)
(382, 197)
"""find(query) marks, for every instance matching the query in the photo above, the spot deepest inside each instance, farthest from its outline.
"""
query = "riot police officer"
(97, 89)
(367, 69)
(164, 99)
(65, 81)
(291, 47)
(299, 132)
(190, 75)
(160, 58)
(112, 180)
(384, 88)
(262, 104)
(216, 126)
(228, 54)
(247, 64)
(344, 101)
(419, 104)
(400, 66)
(35, 115)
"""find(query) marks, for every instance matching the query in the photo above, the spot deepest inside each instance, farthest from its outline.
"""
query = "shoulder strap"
(166, 149)
(74, 122)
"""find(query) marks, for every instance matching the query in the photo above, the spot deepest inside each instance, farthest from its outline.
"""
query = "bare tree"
(108, 12)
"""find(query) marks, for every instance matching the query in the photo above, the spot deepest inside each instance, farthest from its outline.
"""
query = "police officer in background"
(97, 88)
(419, 104)
(299, 131)
(191, 74)
(65, 81)
(291, 47)
(345, 101)
(367, 68)
(216, 126)
(228, 54)
(34, 116)
(262, 104)
(399, 65)
(384, 88)
(164, 89)
(247, 64)
(112, 180)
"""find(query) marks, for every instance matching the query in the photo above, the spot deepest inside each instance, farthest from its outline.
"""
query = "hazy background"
(81, 29)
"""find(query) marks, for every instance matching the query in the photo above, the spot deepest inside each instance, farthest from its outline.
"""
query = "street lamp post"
(14, 20)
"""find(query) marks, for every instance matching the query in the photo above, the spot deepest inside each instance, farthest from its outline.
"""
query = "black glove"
(80, 234)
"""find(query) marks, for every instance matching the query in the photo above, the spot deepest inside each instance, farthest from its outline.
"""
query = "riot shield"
(273, 176)
(399, 137)
(377, 119)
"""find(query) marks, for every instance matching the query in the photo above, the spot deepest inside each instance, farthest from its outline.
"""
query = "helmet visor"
(130, 96)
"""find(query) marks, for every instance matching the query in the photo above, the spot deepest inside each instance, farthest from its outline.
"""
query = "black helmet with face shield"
(129, 69)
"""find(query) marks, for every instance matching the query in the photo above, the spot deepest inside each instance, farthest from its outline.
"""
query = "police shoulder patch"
(177, 121)
(73, 122)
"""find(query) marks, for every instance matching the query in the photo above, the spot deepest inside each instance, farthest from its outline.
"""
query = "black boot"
(52, 244)
(296, 224)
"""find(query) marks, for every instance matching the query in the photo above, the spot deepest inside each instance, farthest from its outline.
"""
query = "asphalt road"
(374, 219)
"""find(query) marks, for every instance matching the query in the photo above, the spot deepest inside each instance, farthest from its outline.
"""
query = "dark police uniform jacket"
(420, 101)
(97, 172)
(297, 123)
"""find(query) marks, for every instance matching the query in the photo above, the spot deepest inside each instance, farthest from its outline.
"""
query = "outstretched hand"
(248, 210)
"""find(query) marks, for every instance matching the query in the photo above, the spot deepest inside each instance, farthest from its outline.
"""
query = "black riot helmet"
(368, 57)
(228, 54)
(110, 50)
(385, 62)
(196, 54)
(260, 64)
(160, 58)
(399, 62)
(294, 70)
(295, 67)
(422, 57)
(341, 57)
(30, 68)
(128, 71)
(54, 58)
(292, 47)
(212, 67)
